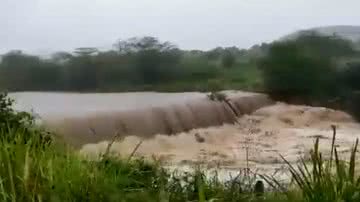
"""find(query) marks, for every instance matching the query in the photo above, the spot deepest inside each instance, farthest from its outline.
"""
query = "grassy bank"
(32, 170)
(37, 172)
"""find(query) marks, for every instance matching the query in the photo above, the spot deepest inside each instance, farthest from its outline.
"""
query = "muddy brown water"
(264, 131)
(90, 118)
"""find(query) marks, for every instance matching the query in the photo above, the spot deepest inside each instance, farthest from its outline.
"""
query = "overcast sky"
(49, 25)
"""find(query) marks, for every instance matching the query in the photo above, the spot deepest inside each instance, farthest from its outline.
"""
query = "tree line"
(133, 64)
(309, 69)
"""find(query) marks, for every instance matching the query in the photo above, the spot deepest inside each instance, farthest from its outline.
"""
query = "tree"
(81, 73)
(155, 61)
(61, 57)
(357, 45)
(304, 67)
(157, 66)
(315, 45)
(351, 76)
(86, 51)
(16, 70)
(228, 59)
(136, 44)
(25, 72)
(215, 53)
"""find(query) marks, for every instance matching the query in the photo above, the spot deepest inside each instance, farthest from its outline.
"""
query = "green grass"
(34, 171)
(240, 77)
(323, 180)
(243, 77)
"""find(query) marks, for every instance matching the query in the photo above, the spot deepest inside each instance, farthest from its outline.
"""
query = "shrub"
(304, 67)
(288, 72)
(12, 122)
(155, 66)
(351, 76)
(9, 118)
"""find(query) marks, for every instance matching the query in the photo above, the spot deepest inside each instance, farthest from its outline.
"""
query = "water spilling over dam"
(171, 125)
(256, 141)
(147, 116)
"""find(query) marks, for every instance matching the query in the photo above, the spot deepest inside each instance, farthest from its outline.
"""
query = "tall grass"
(324, 180)
(30, 172)
(33, 171)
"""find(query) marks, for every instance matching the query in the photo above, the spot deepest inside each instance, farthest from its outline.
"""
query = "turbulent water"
(90, 118)
(256, 141)
(173, 123)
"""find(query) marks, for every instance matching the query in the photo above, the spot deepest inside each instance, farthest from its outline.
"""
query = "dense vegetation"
(315, 70)
(311, 69)
(134, 64)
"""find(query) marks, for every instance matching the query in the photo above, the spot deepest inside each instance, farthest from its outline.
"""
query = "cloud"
(192, 24)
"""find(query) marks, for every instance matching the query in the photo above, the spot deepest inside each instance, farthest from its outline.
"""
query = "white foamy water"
(257, 141)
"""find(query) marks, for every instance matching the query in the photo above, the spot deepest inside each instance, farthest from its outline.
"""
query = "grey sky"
(44, 25)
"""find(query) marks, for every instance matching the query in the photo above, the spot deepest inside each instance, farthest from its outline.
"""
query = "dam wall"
(147, 122)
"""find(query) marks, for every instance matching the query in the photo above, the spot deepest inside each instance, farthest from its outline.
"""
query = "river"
(60, 105)
(167, 125)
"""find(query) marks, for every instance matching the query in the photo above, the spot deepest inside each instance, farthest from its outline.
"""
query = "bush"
(9, 118)
(288, 72)
(304, 68)
(155, 66)
(351, 76)
(12, 122)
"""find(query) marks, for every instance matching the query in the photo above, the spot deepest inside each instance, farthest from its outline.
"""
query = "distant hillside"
(348, 32)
